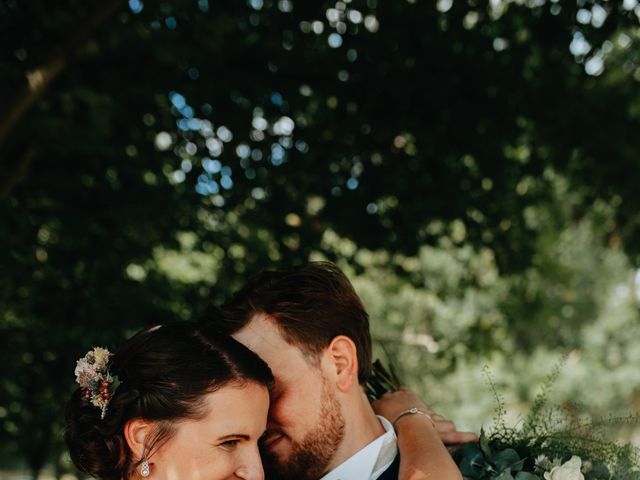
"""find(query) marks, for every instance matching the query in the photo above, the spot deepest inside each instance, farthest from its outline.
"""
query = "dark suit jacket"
(391, 473)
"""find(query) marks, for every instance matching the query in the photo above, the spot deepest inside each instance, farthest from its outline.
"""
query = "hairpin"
(92, 374)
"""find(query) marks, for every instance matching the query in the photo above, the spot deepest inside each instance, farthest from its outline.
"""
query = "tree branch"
(19, 171)
(41, 77)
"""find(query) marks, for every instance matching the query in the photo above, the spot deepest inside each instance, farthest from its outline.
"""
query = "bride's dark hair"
(164, 374)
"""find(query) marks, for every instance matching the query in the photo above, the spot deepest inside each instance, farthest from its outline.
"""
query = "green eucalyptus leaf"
(485, 447)
(473, 465)
(506, 475)
(526, 476)
(506, 459)
(519, 465)
(470, 449)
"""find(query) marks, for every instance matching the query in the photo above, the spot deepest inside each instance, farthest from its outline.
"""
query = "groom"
(311, 328)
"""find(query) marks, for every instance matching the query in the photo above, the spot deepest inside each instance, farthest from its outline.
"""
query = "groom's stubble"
(309, 459)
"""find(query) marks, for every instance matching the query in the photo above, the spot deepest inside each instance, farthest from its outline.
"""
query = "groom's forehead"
(263, 336)
(263, 328)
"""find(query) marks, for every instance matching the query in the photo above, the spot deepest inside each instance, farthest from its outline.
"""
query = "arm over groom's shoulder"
(422, 436)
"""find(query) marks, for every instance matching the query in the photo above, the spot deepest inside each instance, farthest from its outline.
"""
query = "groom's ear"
(343, 358)
(136, 432)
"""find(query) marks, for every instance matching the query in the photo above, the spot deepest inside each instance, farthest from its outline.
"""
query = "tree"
(130, 131)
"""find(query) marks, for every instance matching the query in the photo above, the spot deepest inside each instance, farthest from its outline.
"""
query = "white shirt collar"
(370, 462)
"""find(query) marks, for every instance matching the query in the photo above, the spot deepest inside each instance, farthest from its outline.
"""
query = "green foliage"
(468, 163)
(480, 461)
(381, 381)
(546, 438)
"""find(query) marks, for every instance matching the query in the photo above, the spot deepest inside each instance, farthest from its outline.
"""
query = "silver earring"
(144, 468)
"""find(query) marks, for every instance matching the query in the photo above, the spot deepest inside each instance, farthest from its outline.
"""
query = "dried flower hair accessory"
(92, 374)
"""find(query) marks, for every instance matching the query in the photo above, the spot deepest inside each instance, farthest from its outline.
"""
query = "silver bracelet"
(412, 411)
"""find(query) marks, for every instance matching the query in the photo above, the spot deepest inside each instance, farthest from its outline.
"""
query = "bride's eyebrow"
(234, 436)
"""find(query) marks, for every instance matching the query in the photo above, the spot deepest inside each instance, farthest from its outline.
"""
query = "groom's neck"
(361, 428)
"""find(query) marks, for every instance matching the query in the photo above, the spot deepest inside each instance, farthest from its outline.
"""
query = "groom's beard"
(309, 458)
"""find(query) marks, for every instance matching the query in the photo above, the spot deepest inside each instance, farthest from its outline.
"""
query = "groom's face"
(305, 425)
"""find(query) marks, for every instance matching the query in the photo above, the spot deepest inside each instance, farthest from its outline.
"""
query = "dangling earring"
(144, 468)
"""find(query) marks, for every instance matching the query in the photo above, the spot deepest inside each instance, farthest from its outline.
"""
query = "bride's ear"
(343, 357)
(136, 432)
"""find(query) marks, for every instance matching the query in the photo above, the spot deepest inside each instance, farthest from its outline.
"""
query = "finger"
(437, 418)
(445, 426)
(457, 438)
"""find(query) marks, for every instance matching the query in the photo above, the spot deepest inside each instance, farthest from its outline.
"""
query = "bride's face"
(223, 444)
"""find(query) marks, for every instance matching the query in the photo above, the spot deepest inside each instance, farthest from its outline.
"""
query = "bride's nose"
(251, 468)
(250, 473)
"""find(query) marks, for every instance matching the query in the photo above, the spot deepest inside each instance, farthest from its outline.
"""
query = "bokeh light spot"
(211, 166)
(171, 23)
(163, 141)
(335, 40)
(136, 6)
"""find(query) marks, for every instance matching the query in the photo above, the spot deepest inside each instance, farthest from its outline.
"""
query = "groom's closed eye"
(276, 390)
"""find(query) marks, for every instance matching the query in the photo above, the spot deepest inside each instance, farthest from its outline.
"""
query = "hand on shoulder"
(392, 404)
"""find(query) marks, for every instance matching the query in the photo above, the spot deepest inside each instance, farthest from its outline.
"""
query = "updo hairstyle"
(164, 373)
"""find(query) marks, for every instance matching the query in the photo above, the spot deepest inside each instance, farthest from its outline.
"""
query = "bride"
(179, 401)
(189, 405)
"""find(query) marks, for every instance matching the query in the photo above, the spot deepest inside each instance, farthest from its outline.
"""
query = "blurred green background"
(472, 165)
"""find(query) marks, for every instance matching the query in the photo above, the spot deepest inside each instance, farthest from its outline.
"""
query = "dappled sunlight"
(470, 165)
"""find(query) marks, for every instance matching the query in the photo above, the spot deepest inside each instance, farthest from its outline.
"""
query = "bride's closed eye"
(230, 442)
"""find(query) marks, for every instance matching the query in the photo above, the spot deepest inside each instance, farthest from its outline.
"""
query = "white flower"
(543, 462)
(85, 373)
(568, 471)
(101, 356)
(92, 368)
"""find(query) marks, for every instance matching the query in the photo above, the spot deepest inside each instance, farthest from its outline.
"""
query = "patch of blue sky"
(206, 185)
(352, 183)
(243, 151)
(256, 154)
(211, 166)
(187, 111)
(177, 100)
(201, 188)
(302, 146)
(136, 6)
(277, 154)
(276, 99)
(335, 40)
(171, 23)
(194, 123)
(226, 182)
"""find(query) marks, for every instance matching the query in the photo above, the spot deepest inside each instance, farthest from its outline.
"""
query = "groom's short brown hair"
(311, 304)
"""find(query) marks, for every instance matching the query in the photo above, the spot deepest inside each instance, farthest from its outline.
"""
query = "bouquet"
(549, 444)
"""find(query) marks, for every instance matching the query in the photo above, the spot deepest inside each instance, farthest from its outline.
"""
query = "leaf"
(504, 476)
(506, 459)
(485, 447)
(519, 465)
(473, 463)
(527, 476)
